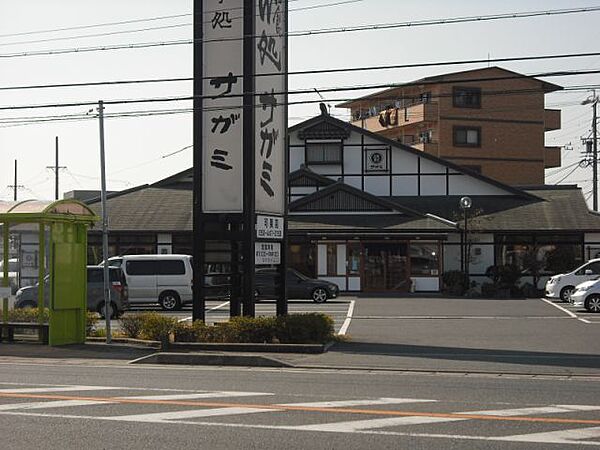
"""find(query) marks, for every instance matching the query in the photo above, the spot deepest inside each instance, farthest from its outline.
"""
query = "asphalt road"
(52, 405)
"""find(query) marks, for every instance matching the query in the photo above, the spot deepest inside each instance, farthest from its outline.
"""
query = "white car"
(587, 295)
(561, 286)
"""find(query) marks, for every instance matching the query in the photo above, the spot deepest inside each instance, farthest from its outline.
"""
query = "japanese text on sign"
(267, 253)
(270, 84)
(268, 227)
(222, 131)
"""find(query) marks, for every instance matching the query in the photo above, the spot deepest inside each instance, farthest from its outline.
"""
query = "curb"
(210, 359)
(134, 342)
(257, 348)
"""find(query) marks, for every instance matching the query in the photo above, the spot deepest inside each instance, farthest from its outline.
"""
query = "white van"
(163, 278)
(563, 285)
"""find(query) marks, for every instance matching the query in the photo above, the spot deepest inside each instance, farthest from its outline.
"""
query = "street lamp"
(465, 204)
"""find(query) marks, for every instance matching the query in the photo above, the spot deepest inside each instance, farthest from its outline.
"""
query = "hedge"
(313, 328)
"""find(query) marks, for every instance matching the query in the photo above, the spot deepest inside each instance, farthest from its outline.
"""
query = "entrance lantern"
(62, 230)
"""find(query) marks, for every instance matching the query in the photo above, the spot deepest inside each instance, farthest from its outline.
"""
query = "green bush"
(454, 282)
(29, 315)
(291, 329)
(249, 329)
(91, 320)
(157, 327)
(132, 324)
(189, 331)
(312, 328)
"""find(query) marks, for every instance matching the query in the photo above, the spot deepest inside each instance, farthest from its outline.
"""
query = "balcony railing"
(399, 117)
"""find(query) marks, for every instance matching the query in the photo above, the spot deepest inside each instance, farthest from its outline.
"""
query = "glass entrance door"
(385, 267)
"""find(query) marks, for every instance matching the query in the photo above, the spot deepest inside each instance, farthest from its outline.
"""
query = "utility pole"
(15, 187)
(594, 160)
(56, 168)
(107, 302)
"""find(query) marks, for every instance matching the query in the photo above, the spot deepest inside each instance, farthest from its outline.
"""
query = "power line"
(316, 71)
(335, 89)
(315, 32)
(161, 27)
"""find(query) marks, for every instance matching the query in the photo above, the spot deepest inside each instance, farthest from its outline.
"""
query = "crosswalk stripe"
(348, 403)
(189, 414)
(369, 424)
(572, 436)
(359, 425)
(553, 409)
(52, 404)
(212, 394)
(56, 389)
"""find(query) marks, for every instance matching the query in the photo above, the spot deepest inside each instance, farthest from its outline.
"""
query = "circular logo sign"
(376, 158)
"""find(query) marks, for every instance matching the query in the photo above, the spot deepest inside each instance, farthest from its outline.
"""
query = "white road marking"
(570, 313)
(50, 404)
(215, 394)
(349, 403)
(358, 425)
(571, 436)
(57, 389)
(189, 414)
(543, 437)
(208, 310)
(346, 323)
(552, 409)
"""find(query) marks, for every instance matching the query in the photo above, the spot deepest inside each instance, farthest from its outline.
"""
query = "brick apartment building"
(490, 120)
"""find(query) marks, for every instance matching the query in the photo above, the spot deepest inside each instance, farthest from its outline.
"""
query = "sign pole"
(248, 285)
(199, 302)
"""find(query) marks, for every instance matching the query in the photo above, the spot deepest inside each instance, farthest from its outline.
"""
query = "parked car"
(27, 297)
(299, 286)
(561, 286)
(166, 279)
(13, 274)
(587, 295)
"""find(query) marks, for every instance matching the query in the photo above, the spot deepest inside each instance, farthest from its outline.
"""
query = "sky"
(144, 149)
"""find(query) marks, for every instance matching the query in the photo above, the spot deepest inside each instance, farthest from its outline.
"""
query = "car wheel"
(319, 295)
(565, 293)
(170, 301)
(112, 309)
(592, 303)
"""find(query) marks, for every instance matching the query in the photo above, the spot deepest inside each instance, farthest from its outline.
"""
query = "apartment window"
(426, 137)
(324, 152)
(425, 97)
(466, 97)
(467, 136)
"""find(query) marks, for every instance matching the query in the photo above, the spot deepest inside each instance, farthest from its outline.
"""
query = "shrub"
(157, 327)
(454, 282)
(30, 315)
(250, 329)
(189, 331)
(312, 328)
(132, 325)
(91, 320)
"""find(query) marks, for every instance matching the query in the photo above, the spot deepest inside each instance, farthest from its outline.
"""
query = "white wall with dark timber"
(405, 173)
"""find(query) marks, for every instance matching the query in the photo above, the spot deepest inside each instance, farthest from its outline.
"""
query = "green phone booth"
(62, 239)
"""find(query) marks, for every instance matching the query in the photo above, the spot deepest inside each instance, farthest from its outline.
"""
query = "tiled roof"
(155, 209)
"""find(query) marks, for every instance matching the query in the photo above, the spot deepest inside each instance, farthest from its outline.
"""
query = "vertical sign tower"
(240, 158)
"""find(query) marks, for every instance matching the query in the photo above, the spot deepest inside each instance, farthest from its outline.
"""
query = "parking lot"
(579, 313)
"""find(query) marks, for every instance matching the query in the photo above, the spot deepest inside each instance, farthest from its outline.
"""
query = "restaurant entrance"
(386, 266)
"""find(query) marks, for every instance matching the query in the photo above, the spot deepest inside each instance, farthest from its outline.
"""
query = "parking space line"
(346, 323)
(208, 310)
(571, 314)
